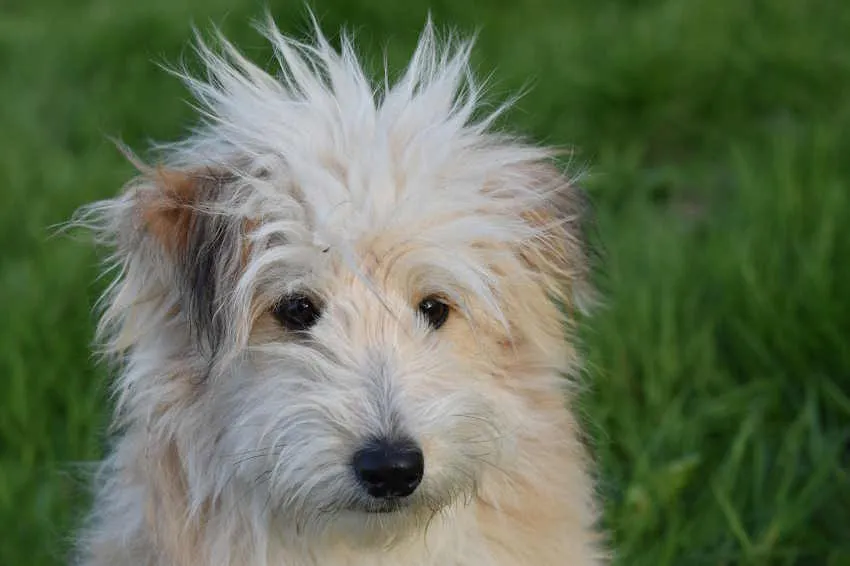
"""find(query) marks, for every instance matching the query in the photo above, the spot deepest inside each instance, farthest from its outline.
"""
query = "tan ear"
(167, 208)
(560, 255)
(171, 202)
(181, 221)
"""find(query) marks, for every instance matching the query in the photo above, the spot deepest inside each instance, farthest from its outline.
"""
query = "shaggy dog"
(343, 314)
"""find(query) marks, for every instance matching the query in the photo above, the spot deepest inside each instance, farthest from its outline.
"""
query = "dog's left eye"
(296, 312)
(435, 311)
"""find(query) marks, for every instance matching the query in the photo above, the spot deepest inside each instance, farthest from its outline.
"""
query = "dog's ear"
(181, 221)
(560, 254)
(169, 205)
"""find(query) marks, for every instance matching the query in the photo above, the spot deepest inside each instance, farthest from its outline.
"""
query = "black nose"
(389, 469)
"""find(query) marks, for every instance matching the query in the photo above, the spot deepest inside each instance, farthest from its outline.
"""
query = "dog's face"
(344, 311)
(368, 389)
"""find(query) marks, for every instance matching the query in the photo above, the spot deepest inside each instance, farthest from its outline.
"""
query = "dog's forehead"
(375, 213)
(369, 262)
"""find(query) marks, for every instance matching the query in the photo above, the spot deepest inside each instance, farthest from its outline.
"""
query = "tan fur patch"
(177, 538)
(167, 212)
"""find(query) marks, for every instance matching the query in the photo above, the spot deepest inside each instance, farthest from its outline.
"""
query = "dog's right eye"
(296, 312)
(435, 311)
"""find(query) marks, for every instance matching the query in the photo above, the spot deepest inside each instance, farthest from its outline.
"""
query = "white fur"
(237, 451)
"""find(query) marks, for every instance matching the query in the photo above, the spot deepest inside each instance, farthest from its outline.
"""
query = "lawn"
(716, 135)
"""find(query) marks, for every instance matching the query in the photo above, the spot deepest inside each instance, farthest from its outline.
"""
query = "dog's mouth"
(381, 507)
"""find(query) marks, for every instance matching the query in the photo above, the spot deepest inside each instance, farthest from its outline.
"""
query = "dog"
(343, 319)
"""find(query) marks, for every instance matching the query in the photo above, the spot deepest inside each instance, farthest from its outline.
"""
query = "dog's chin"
(394, 514)
(381, 507)
(367, 525)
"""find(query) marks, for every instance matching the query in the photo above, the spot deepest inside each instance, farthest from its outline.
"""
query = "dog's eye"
(296, 312)
(435, 311)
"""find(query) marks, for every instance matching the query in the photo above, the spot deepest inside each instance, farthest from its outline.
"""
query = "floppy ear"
(182, 216)
(178, 250)
(560, 255)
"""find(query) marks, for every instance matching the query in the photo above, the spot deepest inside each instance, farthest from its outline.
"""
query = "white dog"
(343, 315)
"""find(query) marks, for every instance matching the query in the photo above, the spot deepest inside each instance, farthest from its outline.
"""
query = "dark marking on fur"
(204, 246)
(209, 263)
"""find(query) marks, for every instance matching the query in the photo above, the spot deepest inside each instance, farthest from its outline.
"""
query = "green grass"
(717, 132)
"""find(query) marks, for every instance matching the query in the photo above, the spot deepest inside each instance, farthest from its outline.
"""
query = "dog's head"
(342, 306)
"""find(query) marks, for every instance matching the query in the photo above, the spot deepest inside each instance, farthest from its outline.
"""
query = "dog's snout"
(389, 469)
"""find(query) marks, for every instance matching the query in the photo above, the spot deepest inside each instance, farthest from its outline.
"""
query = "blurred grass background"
(718, 134)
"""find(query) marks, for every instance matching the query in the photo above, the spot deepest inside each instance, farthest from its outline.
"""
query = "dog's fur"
(235, 436)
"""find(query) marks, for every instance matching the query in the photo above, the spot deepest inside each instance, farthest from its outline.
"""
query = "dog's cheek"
(508, 378)
(455, 410)
(280, 420)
